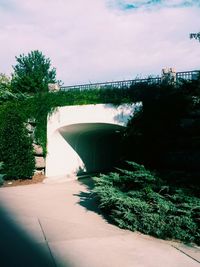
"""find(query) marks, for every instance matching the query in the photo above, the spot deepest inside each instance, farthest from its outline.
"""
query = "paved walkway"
(54, 225)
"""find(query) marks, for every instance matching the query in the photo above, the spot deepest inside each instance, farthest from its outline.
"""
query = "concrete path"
(55, 225)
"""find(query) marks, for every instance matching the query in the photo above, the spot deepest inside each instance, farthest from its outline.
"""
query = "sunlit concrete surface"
(84, 138)
(59, 225)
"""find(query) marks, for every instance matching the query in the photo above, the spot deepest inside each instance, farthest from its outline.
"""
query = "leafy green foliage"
(157, 130)
(1, 174)
(137, 199)
(5, 83)
(32, 73)
(39, 106)
(195, 36)
(5, 88)
(16, 146)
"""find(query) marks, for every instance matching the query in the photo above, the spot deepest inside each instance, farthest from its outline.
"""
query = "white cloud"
(87, 41)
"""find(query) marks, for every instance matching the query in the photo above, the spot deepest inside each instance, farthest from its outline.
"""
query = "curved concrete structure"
(82, 139)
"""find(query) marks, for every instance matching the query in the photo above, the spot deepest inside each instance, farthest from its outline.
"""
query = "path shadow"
(88, 199)
(17, 249)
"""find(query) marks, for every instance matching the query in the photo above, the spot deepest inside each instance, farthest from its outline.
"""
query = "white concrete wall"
(62, 160)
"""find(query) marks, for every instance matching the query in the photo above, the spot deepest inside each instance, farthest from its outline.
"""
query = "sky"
(101, 40)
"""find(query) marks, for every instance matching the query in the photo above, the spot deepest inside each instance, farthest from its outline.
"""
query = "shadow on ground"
(18, 249)
(88, 200)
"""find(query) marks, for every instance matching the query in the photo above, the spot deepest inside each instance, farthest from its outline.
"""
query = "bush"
(153, 131)
(1, 174)
(136, 199)
(168, 118)
(15, 147)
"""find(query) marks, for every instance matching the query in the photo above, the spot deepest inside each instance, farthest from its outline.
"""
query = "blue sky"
(101, 40)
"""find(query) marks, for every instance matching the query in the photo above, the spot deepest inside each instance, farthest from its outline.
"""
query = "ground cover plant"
(136, 199)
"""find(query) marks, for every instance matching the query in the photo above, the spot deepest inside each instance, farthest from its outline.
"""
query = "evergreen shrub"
(1, 174)
(16, 149)
(136, 199)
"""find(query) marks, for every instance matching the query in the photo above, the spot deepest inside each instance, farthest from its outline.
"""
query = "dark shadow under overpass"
(97, 144)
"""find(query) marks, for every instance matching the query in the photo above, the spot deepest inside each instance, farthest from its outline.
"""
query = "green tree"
(195, 36)
(32, 73)
(5, 82)
(16, 151)
(5, 88)
(153, 131)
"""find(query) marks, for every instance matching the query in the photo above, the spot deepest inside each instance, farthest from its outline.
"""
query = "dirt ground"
(37, 178)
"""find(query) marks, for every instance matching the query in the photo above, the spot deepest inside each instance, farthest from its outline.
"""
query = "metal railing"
(185, 75)
(188, 75)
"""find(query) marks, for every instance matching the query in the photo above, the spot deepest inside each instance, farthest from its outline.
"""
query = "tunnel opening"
(97, 144)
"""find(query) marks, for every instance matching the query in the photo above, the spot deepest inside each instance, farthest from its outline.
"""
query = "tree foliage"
(5, 82)
(167, 119)
(195, 36)
(6, 93)
(5, 88)
(32, 73)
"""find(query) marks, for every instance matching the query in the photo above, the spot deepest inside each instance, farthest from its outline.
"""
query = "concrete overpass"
(84, 139)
